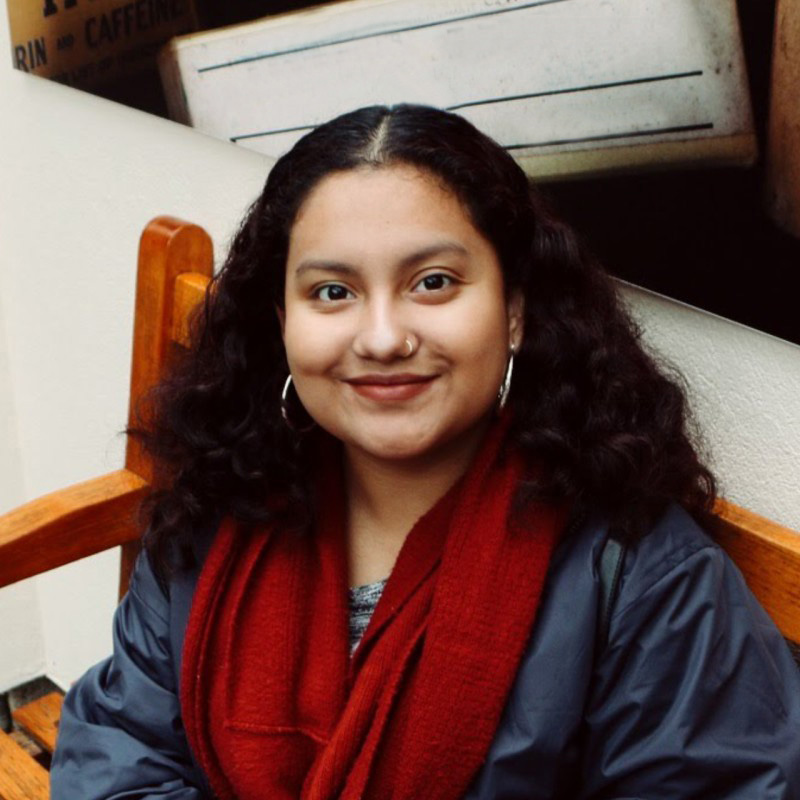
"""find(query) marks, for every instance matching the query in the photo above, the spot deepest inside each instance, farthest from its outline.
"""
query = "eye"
(434, 283)
(332, 292)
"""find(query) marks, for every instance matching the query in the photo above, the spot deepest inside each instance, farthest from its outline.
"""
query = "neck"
(385, 497)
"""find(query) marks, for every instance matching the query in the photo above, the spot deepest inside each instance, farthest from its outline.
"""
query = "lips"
(391, 388)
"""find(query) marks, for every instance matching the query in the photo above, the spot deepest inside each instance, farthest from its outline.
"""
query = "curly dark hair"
(608, 425)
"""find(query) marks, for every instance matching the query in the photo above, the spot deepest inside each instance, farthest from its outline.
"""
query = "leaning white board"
(568, 86)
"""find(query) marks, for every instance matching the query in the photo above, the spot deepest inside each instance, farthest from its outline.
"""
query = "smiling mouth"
(391, 388)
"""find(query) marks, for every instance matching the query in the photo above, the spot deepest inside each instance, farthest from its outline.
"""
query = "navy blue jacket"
(694, 694)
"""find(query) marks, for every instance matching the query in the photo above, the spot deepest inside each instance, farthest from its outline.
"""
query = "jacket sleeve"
(696, 694)
(121, 734)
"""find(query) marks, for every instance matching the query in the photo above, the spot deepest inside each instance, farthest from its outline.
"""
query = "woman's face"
(384, 262)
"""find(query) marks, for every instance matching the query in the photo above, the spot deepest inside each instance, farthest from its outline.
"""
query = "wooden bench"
(175, 265)
(23, 776)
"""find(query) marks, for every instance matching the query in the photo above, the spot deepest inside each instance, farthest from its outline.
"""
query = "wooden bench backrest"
(768, 556)
(175, 265)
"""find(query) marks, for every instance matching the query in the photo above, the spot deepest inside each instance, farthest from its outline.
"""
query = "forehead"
(381, 207)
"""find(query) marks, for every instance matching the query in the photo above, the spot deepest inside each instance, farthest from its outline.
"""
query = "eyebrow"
(412, 259)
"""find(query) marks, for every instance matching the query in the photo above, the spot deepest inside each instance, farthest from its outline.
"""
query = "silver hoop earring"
(285, 408)
(505, 386)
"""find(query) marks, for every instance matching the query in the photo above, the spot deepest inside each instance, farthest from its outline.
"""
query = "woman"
(411, 383)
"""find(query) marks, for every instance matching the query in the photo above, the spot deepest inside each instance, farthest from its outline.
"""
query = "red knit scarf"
(272, 703)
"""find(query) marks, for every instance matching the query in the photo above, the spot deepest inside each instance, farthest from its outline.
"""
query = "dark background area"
(699, 235)
(702, 235)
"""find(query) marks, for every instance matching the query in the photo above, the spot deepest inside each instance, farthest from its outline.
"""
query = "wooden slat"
(69, 524)
(768, 556)
(190, 289)
(21, 778)
(39, 719)
(168, 248)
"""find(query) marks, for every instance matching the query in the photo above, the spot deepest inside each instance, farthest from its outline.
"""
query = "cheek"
(486, 367)
(478, 335)
(476, 344)
(311, 347)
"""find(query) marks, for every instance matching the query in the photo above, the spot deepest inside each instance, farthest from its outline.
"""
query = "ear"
(516, 319)
(282, 319)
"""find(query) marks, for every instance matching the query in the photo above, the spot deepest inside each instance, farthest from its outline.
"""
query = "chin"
(396, 450)
(395, 443)
(409, 444)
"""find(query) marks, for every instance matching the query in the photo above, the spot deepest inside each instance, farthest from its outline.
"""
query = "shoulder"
(180, 570)
(162, 603)
(674, 546)
(121, 727)
(677, 583)
(695, 684)
(557, 679)
(679, 589)
(692, 691)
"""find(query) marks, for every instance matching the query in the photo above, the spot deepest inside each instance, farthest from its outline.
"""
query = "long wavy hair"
(608, 425)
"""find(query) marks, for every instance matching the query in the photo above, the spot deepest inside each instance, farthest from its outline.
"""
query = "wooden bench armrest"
(69, 524)
(175, 267)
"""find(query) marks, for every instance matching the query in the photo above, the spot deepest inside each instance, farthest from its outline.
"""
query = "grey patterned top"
(363, 600)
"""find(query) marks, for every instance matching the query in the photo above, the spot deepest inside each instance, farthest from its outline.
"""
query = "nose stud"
(410, 348)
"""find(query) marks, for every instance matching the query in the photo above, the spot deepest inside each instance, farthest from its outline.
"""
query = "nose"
(381, 334)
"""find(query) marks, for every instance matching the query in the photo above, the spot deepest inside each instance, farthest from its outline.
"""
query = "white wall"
(21, 640)
(79, 178)
(744, 386)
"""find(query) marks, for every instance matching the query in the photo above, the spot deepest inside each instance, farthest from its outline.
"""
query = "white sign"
(568, 86)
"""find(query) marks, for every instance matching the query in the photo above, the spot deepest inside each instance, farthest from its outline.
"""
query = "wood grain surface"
(69, 524)
(768, 556)
(39, 719)
(21, 778)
